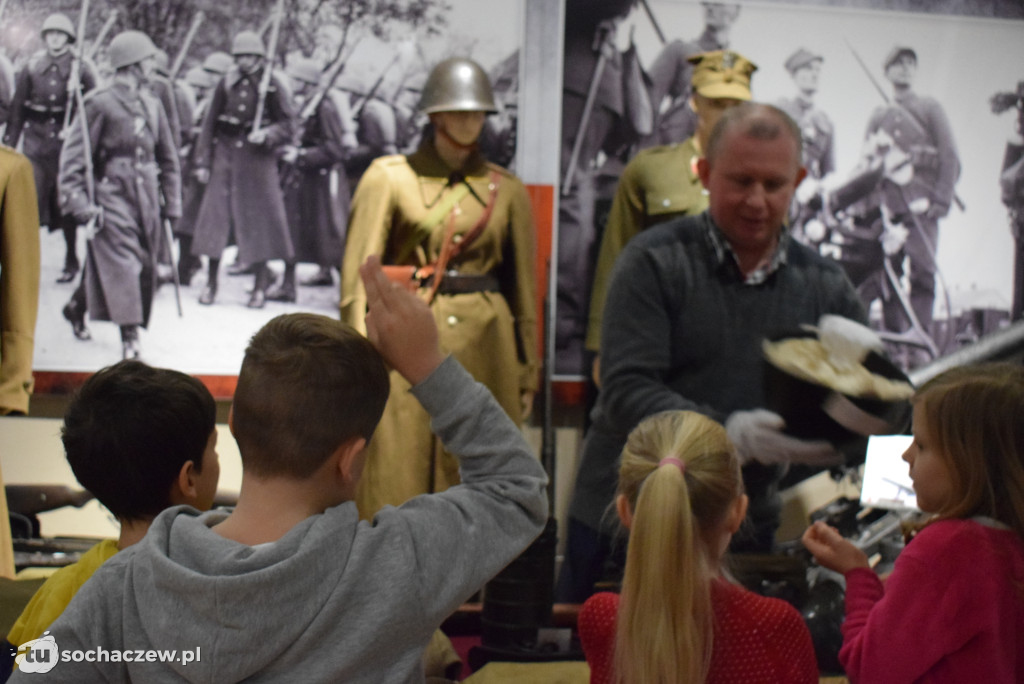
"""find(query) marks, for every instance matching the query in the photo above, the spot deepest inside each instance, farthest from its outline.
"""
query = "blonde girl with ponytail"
(677, 619)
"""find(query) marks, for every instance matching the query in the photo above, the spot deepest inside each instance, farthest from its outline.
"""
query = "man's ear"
(800, 175)
(624, 511)
(231, 419)
(703, 170)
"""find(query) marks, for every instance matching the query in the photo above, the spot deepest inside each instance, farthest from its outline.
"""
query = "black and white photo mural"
(912, 132)
(372, 59)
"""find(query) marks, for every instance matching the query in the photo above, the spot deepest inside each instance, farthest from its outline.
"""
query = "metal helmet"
(458, 85)
(305, 69)
(163, 62)
(58, 22)
(217, 63)
(198, 77)
(129, 47)
(248, 43)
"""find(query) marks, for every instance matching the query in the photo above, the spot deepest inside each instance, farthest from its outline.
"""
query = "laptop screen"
(886, 482)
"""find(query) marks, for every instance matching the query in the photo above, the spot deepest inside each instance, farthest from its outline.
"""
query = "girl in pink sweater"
(952, 610)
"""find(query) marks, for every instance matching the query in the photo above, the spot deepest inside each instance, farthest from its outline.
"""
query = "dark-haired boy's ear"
(185, 488)
(231, 419)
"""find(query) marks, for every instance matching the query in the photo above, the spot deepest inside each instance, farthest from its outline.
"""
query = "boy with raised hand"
(291, 586)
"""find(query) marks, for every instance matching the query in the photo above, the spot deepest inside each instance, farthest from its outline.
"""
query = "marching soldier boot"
(285, 290)
(210, 291)
(74, 313)
(130, 341)
(323, 278)
(71, 258)
(259, 288)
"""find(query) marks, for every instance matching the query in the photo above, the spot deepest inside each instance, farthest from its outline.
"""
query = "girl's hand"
(831, 550)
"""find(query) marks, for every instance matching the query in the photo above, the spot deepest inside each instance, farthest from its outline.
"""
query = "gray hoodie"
(335, 599)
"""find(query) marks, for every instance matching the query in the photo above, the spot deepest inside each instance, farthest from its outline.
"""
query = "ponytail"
(665, 621)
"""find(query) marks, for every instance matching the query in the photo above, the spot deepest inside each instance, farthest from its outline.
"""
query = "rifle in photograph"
(75, 78)
(374, 88)
(185, 45)
(101, 37)
(268, 67)
(95, 222)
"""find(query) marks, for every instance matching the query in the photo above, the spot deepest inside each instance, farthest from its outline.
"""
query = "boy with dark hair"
(141, 439)
(291, 585)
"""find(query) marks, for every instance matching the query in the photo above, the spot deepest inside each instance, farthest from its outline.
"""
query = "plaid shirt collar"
(724, 252)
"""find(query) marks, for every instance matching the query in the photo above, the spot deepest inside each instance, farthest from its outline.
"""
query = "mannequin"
(408, 209)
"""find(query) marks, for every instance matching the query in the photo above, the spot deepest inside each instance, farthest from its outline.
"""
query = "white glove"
(846, 341)
(758, 436)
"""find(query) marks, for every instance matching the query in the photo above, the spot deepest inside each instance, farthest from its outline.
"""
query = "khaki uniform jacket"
(19, 279)
(658, 184)
(492, 334)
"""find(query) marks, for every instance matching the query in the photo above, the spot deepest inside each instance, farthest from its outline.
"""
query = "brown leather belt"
(458, 283)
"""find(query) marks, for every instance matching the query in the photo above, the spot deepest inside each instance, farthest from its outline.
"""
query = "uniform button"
(452, 320)
(666, 202)
(238, 143)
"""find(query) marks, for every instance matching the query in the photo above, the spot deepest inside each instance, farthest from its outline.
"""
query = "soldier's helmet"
(457, 84)
(217, 63)
(163, 62)
(58, 22)
(129, 47)
(305, 69)
(198, 77)
(248, 43)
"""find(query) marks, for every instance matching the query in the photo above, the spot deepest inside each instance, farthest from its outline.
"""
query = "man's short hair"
(308, 384)
(129, 430)
(756, 120)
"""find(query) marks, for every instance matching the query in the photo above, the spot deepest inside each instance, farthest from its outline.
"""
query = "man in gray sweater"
(291, 586)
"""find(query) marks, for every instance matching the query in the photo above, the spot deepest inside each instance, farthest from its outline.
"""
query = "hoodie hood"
(239, 604)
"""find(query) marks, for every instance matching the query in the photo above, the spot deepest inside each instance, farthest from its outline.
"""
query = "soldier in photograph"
(312, 208)
(201, 80)
(804, 68)
(1011, 187)
(911, 138)
(661, 183)
(671, 72)
(446, 210)
(376, 126)
(235, 157)
(37, 114)
(119, 175)
(592, 127)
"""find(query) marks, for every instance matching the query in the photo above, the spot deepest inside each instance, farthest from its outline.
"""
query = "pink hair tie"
(672, 460)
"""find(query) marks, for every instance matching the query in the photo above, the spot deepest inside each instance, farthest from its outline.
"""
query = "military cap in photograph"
(722, 73)
(896, 53)
(801, 58)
